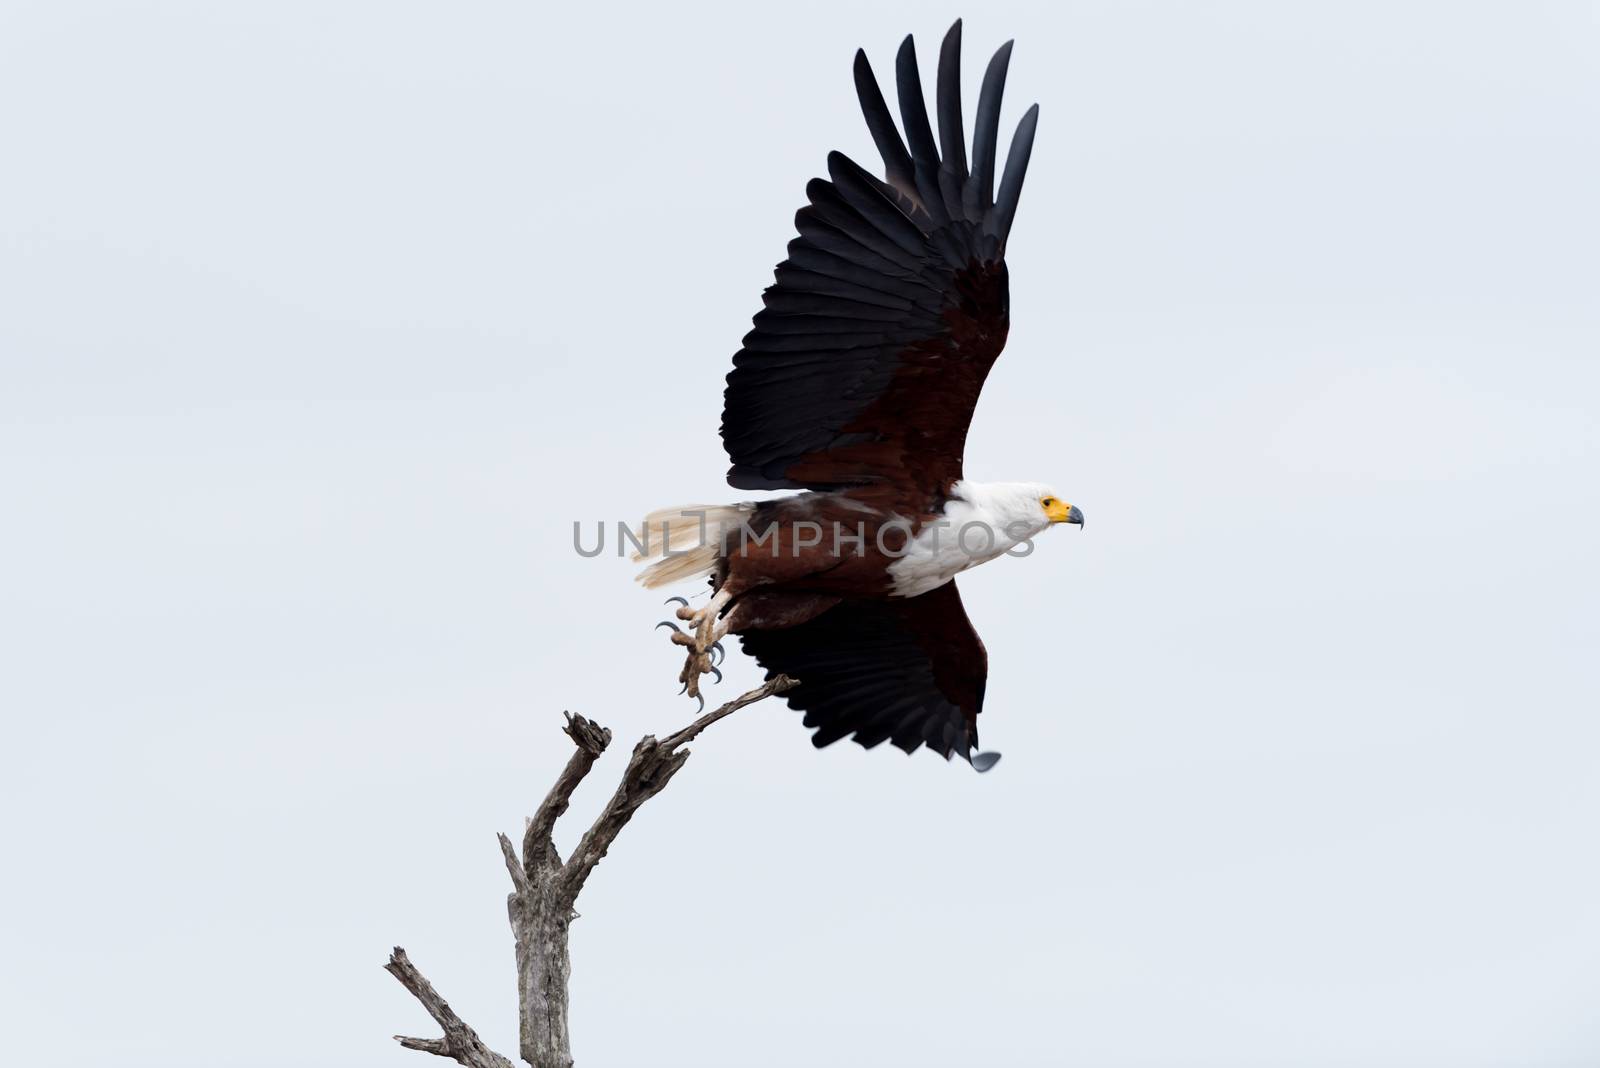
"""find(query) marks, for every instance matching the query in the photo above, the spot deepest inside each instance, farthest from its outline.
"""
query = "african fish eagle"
(857, 386)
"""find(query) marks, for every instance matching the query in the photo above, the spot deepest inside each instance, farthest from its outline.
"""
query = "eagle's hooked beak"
(1062, 512)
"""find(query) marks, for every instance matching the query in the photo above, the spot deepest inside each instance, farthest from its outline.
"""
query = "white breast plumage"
(968, 532)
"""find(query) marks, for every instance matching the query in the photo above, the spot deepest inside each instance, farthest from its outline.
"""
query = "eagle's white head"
(1030, 506)
(979, 521)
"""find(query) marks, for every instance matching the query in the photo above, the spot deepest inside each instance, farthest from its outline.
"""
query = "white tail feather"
(691, 534)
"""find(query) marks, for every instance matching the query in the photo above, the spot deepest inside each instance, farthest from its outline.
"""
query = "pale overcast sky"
(321, 323)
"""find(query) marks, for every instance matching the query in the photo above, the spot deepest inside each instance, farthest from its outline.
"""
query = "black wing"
(909, 670)
(867, 360)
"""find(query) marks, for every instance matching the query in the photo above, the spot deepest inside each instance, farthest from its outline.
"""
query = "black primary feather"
(986, 134)
(924, 152)
(896, 160)
(952, 135)
(1005, 206)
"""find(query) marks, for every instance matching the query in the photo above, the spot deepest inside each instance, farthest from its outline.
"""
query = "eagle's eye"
(1047, 501)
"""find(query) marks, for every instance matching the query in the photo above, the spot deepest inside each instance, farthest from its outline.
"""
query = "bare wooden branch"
(650, 768)
(538, 848)
(460, 1042)
(544, 890)
(519, 876)
(692, 731)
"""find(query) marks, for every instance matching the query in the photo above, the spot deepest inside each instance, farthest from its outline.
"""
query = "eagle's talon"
(700, 638)
(681, 600)
(669, 624)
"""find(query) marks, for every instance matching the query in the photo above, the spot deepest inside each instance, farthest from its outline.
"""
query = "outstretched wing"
(866, 361)
(909, 670)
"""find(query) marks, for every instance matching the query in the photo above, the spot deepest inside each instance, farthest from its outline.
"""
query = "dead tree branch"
(544, 890)
(650, 768)
(460, 1042)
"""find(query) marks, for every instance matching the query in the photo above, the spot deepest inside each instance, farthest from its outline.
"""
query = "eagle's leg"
(706, 630)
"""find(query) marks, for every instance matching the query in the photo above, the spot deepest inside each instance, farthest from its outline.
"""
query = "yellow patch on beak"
(1056, 510)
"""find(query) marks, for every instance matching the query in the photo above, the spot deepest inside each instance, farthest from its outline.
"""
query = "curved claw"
(681, 600)
(718, 654)
(702, 699)
(715, 672)
(668, 624)
(685, 688)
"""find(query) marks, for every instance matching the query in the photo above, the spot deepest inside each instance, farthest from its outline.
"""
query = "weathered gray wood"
(460, 1042)
(541, 913)
(650, 768)
(544, 890)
